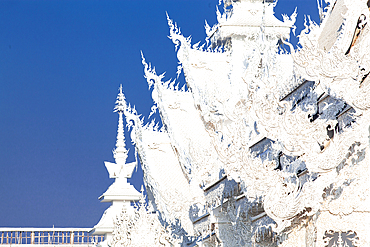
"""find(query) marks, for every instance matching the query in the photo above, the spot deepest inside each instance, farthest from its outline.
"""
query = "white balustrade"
(48, 236)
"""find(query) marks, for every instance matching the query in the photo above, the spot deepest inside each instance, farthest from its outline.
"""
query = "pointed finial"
(142, 198)
(120, 102)
(120, 153)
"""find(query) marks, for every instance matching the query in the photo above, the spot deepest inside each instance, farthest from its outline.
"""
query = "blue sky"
(61, 63)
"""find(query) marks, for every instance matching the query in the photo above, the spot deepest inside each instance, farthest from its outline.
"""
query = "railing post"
(32, 237)
(72, 238)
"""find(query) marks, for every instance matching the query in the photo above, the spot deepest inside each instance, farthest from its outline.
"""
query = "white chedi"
(120, 193)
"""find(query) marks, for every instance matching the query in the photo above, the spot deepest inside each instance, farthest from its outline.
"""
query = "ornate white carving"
(289, 130)
(143, 228)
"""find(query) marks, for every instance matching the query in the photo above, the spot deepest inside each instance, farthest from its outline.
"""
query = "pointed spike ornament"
(142, 198)
(120, 153)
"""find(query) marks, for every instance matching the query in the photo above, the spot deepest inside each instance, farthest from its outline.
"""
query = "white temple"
(262, 147)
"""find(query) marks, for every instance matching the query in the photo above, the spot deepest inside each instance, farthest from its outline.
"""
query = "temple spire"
(120, 153)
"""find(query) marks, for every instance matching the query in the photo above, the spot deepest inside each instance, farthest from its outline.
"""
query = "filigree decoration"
(338, 71)
(245, 108)
(141, 229)
(340, 239)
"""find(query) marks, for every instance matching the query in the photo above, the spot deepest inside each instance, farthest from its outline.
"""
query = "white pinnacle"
(120, 153)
